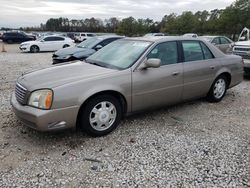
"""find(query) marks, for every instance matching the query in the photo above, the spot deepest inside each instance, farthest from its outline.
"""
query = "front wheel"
(218, 89)
(101, 115)
(34, 49)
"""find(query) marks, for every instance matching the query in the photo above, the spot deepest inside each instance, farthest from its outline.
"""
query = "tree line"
(229, 21)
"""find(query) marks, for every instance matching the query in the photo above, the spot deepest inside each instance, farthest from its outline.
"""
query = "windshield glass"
(89, 43)
(120, 54)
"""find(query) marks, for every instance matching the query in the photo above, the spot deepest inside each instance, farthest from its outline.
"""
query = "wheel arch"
(227, 73)
(116, 94)
(36, 46)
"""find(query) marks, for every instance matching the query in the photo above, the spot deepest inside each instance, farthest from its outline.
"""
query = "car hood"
(30, 42)
(243, 43)
(75, 51)
(59, 75)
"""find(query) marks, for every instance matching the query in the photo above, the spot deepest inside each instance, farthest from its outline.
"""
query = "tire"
(34, 49)
(9, 41)
(101, 115)
(65, 45)
(218, 89)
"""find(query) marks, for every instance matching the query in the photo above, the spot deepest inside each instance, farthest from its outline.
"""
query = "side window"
(48, 39)
(166, 52)
(20, 35)
(107, 41)
(192, 51)
(90, 35)
(83, 35)
(224, 41)
(216, 40)
(58, 38)
(207, 53)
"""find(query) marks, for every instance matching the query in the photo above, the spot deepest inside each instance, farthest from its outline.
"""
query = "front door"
(154, 87)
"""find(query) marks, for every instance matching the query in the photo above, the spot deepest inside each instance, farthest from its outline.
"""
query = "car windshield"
(120, 54)
(89, 43)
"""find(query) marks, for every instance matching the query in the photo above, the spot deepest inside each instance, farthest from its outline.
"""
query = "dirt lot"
(197, 144)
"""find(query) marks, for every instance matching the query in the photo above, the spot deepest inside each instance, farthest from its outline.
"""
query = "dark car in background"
(84, 49)
(17, 37)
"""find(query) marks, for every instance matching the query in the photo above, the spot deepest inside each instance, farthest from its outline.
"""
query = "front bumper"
(45, 120)
(57, 60)
(24, 48)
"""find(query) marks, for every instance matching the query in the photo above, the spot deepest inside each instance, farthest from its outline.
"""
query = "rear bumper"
(45, 120)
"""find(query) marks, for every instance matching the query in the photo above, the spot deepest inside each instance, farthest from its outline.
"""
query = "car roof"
(54, 36)
(102, 37)
(161, 38)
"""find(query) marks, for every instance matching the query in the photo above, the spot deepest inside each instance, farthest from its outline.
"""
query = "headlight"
(41, 99)
(25, 44)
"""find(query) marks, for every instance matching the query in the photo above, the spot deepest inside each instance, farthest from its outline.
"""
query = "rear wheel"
(34, 49)
(218, 89)
(101, 115)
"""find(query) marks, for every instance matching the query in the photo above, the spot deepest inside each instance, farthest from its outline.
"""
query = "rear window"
(58, 38)
(207, 53)
(216, 41)
(195, 51)
(192, 51)
(10, 34)
(224, 41)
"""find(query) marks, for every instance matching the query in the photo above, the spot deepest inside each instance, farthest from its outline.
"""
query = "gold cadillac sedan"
(126, 76)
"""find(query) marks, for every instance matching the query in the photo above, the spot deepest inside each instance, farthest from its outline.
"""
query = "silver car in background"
(223, 43)
(124, 77)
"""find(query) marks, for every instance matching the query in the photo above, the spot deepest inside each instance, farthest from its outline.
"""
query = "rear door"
(200, 68)
(47, 44)
(58, 43)
(154, 87)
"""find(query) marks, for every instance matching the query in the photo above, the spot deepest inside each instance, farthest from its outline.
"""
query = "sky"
(20, 13)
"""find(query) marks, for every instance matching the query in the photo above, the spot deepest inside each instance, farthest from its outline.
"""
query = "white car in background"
(242, 48)
(79, 37)
(193, 35)
(46, 44)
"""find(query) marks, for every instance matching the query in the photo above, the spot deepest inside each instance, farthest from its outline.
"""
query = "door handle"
(175, 73)
(212, 67)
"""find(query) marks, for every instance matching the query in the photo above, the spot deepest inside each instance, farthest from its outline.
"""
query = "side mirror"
(98, 47)
(151, 63)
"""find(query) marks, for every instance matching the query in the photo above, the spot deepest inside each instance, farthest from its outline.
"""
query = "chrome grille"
(242, 49)
(20, 93)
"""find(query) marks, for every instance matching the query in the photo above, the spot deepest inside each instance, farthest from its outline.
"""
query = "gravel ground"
(196, 144)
